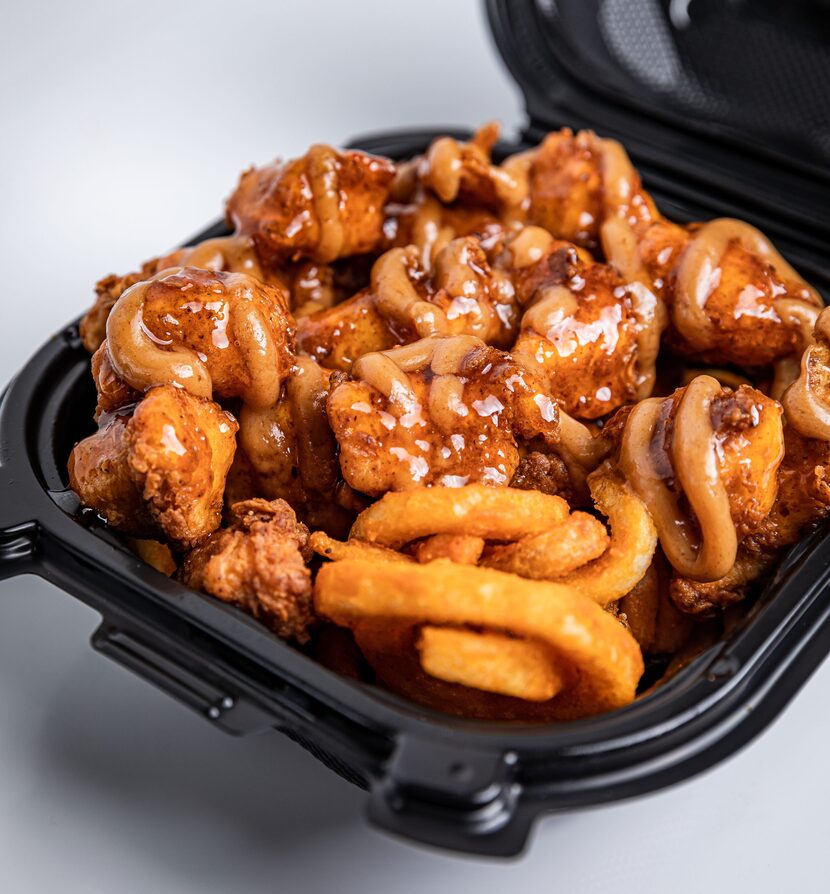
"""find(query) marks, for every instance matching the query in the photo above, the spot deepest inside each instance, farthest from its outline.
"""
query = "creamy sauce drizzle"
(143, 360)
(693, 459)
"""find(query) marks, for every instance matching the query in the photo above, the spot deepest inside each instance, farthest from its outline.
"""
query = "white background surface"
(123, 127)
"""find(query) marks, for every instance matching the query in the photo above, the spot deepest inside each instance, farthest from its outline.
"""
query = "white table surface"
(123, 127)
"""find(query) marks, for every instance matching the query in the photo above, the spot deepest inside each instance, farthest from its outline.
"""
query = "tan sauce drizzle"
(697, 274)
(805, 401)
(137, 356)
(695, 464)
(555, 304)
(428, 232)
(382, 373)
(443, 161)
(618, 178)
(235, 254)
(803, 318)
(324, 179)
(143, 361)
(396, 298)
(307, 390)
(529, 246)
(518, 167)
(386, 371)
(652, 318)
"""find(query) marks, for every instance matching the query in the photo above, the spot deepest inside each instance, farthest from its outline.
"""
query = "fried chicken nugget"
(323, 206)
(234, 254)
(439, 411)
(211, 333)
(258, 564)
(161, 469)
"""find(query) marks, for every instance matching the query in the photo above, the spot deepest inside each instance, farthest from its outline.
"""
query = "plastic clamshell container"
(465, 785)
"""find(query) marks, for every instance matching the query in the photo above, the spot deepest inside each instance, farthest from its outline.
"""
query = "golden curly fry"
(633, 541)
(578, 539)
(493, 513)
(461, 548)
(602, 659)
(492, 662)
(337, 551)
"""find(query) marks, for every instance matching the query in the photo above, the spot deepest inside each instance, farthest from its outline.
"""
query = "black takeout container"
(466, 785)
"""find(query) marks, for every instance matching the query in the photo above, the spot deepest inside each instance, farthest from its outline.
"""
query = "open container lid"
(726, 95)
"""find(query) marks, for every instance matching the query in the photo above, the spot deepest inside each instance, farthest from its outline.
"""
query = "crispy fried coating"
(545, 472)
(439, 428)
(750, 449)
(705, 599)
(259, 564)
(113, 392)
(160, 470)
(322, 206)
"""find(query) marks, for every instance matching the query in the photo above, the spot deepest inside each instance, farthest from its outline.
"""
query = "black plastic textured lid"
(730, 88)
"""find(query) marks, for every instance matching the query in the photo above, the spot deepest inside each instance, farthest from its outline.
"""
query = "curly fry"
(633, 541)
(494, 513)
(576, 540)
(460, 548)
(604, 658)
(337, 551)
(491, 662)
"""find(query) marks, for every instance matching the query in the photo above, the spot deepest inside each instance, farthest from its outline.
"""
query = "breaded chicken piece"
(447, 411)
(113, 392)
(802, 500)
(582, 327)
(160, 471)
(212, 333)
(258, 563)
(461, 172)
(803, 493)
(723, 282)
(234, 254)
(747, 448)
(463, 295)
(322, 206)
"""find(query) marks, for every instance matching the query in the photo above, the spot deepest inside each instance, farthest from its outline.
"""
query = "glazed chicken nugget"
(211, 333)
(632, 544)
(325, 205)
(160, 470)
(442, 410)
(546, 556)
(492, 662)
(475, 510)
(234, 254)
(603, 658)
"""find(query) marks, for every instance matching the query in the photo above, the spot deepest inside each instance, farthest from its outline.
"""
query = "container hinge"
(195, 687)
(18, 545)
(443, 794)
